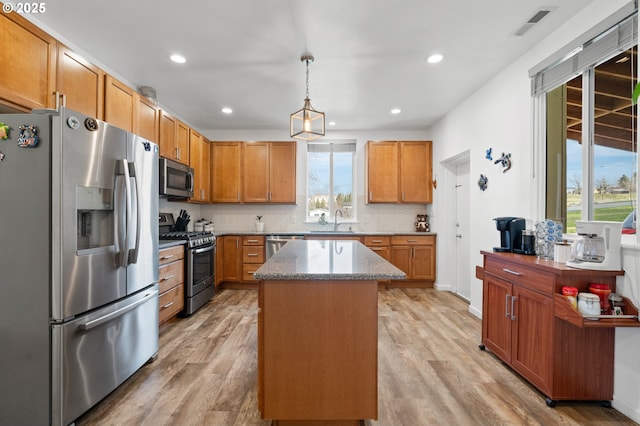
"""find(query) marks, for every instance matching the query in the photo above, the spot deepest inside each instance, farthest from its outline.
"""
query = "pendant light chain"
(307, 61)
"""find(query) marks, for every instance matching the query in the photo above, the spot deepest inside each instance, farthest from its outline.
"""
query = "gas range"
(194, 238)
(168, 231)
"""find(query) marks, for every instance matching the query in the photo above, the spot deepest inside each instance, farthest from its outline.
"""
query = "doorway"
(463, 269)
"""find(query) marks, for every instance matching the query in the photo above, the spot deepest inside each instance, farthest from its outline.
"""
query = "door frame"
(447, 230)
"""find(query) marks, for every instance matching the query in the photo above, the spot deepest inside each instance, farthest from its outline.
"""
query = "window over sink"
(330, 180)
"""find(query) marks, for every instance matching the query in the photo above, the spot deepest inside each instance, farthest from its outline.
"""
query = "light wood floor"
(431, 371)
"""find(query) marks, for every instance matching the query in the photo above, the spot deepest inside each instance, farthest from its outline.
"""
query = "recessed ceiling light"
(396, 111)
(332, 123)
(178, 59)
(227, 110)
(435, 58)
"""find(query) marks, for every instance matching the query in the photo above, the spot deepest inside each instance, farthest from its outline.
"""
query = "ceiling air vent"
(537, 17)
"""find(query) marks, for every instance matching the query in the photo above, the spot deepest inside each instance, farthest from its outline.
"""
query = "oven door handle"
(203, 249)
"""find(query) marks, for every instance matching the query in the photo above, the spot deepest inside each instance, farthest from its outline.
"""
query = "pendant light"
(307, 123)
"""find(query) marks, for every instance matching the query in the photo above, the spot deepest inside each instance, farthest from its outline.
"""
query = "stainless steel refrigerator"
(78, 263)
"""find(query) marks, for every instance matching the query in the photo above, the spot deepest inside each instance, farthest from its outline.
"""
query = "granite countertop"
(327, 260)
(163, 244)
(316, 233)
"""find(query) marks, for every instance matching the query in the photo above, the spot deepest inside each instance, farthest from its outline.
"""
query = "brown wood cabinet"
(318, 351)
(120, 104)
(171, 282)
(232, 258)
(225, 171)
(173, 138)
(200, 162)
(415, 255)
(269, 172)
(524, 323)
(219, 265)
(27, 64)
(381, 245)
(79, 85)
(147, 119)
(399, 172)
(252, 255)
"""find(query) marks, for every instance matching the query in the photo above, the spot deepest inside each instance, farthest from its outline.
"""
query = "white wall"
(291, 218)
(499, 116)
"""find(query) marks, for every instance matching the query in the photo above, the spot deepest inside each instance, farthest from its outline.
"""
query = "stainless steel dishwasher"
(275, 242)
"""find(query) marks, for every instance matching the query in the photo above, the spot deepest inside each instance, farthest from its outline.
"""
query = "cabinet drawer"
(248, 269)
(171, 275)
(413, 240)
(253, 254)
(253, 240)
(376, 241)
(171, 254)
(530, 278)
(171, 302)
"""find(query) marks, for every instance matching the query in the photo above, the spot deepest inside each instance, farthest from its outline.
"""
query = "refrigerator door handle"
(117, 313)
(124, 254)
(133, 253)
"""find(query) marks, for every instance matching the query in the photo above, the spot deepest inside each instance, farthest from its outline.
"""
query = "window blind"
(331, 146)
(621, 37)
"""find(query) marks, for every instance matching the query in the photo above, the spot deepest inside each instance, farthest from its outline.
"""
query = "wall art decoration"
(4, 131)
(483, 182)
(504, 161)
(28, 136)
(488, 154)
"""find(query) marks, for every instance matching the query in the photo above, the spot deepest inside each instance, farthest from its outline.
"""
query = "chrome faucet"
(335, 223)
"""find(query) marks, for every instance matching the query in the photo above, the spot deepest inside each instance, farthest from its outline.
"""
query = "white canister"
(588, 304)
(561, 252)
(199, 226)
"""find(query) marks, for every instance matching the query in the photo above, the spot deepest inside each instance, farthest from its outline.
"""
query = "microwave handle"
(190, 181)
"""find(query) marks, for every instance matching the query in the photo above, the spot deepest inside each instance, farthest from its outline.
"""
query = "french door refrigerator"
(78, 263)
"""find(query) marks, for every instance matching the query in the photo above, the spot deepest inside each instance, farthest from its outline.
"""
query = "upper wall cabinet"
(120, 104)
(27, 64)
(147, 120)
(79, 84)
(199, 155)
(174, 138)
(399, 172)
(226, 161)
(269, 172)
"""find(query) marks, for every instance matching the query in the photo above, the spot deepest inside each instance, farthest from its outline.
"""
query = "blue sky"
(609, 163)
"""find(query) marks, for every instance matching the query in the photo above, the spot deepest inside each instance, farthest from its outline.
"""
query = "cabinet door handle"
(252, 254)
(509, 271)
(167, 305)
(376, 248)
(252, 241)
(166, 257)
(513, 302)
(370, 195)
(168, 277)
(376, 241)
(506, 305)
(412, 241)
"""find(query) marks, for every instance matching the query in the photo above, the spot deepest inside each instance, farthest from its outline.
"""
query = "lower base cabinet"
(524, 324)
(171, 281)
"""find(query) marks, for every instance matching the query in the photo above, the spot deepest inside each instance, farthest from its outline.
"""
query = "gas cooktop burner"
(194, 239)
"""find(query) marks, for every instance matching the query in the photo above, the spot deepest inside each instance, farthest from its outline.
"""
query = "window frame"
(351, 144)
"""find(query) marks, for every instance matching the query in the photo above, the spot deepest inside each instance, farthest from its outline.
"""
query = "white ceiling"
(370, 55)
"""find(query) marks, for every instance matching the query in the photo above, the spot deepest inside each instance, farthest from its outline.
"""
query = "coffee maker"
(597, 247)
(510, 233)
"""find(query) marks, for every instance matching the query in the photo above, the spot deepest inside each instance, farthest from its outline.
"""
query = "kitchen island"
(318, 332)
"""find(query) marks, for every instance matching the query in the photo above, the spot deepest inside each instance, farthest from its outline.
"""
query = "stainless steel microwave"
(176, 180)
